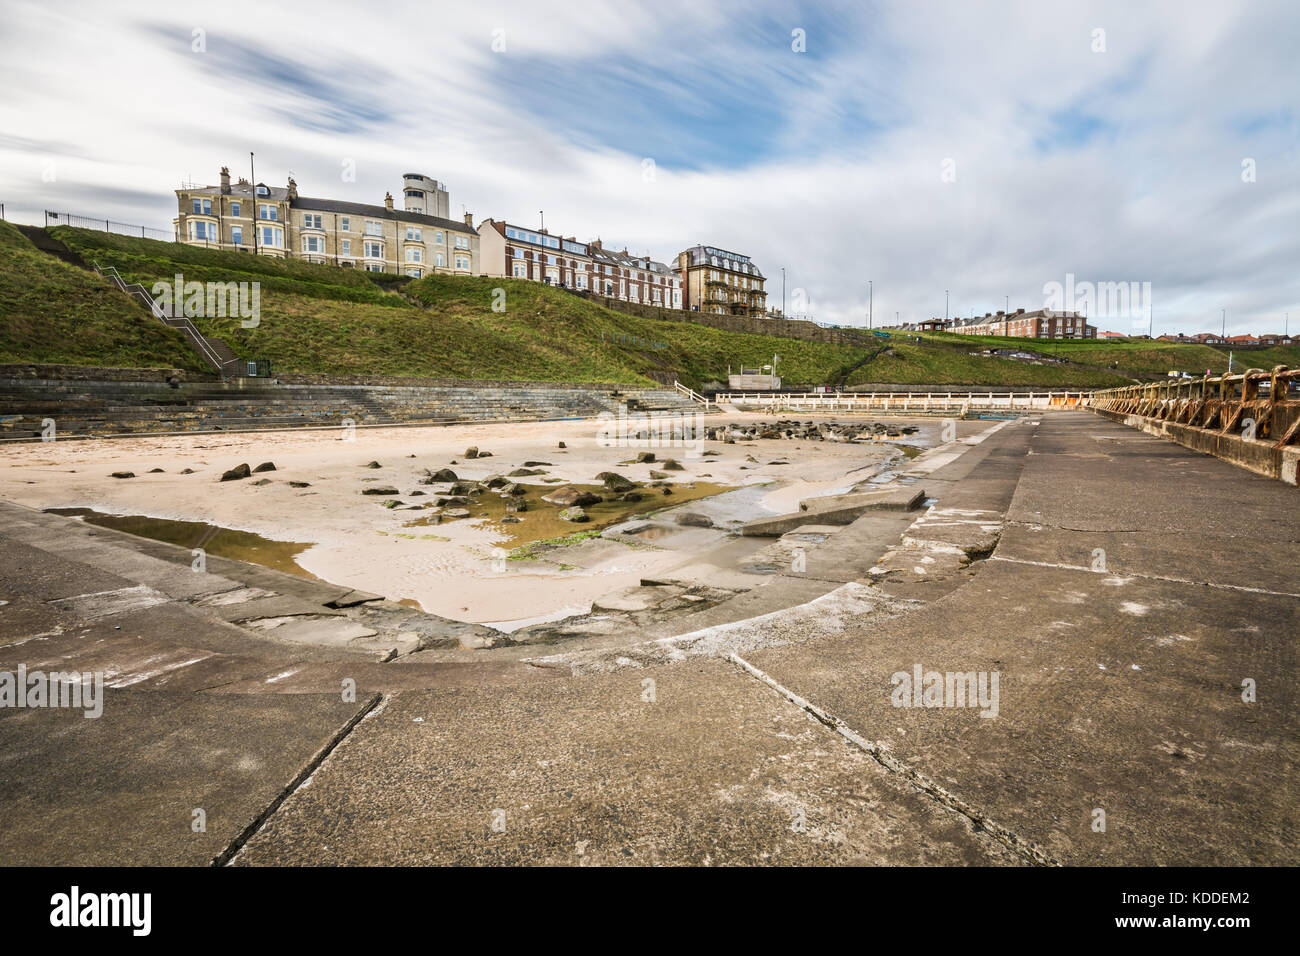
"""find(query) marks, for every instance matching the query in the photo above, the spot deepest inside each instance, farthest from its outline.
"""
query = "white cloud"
(1122, 165)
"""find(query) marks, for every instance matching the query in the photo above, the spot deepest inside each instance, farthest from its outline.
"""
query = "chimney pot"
(388, 201)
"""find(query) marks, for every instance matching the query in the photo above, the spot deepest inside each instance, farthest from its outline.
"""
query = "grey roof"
(276, 193)
(378, 212)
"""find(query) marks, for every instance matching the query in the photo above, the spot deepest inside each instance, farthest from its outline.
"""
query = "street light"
(783, 292)
(870, 302)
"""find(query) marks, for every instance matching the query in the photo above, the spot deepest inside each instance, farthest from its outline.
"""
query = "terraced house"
(522, 253)
(715, 280)
(275, 221)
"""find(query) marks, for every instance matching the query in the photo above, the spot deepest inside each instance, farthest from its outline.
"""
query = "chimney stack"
(469, 219)
(293, 189)
(225, 180)
(388, 201)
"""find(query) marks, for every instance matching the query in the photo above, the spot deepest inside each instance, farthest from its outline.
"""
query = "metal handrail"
(187, 327)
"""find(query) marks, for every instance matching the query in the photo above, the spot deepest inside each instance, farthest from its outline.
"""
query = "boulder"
(561, 445)
(234, 474)
(497, 481)
(571, 495)
(644, 456)
(265, 466)
(522, 472)
(156, 471)
(657, 475)
(516, 505)
(631, 496)
(187, 471)
(131, 474)
(262, 481)
(537, 464)
(511, 519)
(574, 514)
(455, 513)
(694, 519)
(616, 482)
(471, 452)
(380, 490)
(373, 464)
(443, 474)
(299, 484)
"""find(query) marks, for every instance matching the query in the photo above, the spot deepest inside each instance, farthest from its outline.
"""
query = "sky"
(883, 154)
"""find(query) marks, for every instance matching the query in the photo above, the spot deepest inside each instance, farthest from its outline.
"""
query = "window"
(462, 262)
(462, 242)
(374, 250)
(414, 194)
(263, 191)
(374, 267)
(237, 235)
(234, 209)
(374, 228)
(268, 211)
(581, 280)
(311, 221)
(272, 237)
(516, 253)
(313, 243)
(439, 260)
(520, 270)
(345, 224)
(413, 234)
(412, 255)
(203, 230)
(413, 273)
(346, 249)
(437, 236)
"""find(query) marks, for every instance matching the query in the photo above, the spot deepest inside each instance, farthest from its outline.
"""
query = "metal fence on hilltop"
(108, 225)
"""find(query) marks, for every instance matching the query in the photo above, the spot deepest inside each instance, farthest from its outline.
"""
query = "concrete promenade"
(1125, 590)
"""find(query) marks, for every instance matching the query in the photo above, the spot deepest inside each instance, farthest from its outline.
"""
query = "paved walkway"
(1131, 588)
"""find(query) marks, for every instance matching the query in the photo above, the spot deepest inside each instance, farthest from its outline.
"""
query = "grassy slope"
(1135, 355)
(325, 319)
(51, 311)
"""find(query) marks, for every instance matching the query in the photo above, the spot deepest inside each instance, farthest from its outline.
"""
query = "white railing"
(904, 401)
(186, 327)
(691, 394)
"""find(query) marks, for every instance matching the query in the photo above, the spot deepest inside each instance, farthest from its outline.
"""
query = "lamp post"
(945, 306)
(783, 292)
(253, 183)
(871, 299)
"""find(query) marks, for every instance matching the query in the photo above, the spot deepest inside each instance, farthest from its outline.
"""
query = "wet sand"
(453, 568)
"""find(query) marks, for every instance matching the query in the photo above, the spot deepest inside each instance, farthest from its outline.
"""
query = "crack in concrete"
(232, 849)
(1016, 844)
(1113, 572)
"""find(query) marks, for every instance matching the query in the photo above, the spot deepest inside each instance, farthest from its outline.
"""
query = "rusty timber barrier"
(1250, 418)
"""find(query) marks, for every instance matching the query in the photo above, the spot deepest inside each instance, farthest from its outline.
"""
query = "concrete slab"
(714, 769)
(121, 789)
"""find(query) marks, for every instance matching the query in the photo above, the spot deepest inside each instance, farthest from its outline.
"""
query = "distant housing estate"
(1212, 338)
(271, 220)
(1039, 324)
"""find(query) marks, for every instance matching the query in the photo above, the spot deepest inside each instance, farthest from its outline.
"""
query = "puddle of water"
(215, 540)
(542, 519)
